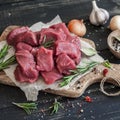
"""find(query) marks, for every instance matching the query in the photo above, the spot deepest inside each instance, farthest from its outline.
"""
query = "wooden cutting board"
(76, 90)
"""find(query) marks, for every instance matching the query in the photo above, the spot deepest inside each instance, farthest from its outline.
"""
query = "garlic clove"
(106, 13)
(102, 16)
(93, 19)
(98, 15)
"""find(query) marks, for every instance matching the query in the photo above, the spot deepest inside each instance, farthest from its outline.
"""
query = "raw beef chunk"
(26, 70)
(65, 64)
(68, 48)
(14, 33)
(23, 46)
(52, 76)
(48, 34)
(31, 75)
(45, 60)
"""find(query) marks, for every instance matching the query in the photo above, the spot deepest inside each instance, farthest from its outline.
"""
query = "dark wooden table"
(27, 12)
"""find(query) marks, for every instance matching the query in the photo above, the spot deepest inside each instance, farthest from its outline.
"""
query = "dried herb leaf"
(89, 51)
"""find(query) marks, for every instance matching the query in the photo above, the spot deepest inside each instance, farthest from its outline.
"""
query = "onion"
(77, 27)
(115, 23)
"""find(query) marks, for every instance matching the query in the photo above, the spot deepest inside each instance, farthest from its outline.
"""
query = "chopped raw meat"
(11, 36)
(61, 27)
(75, 40)
(52, 76)
(25, 59)
(47, 34)
(70, 38)
(45, 60)
(31, 75)
(34, 55)
(26, 69)
(65, 63)
(23, 46)
(28, 37)
(22, 34)
(68, 48)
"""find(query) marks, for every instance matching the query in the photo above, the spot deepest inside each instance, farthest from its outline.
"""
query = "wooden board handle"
(97, 75)
(92, 77)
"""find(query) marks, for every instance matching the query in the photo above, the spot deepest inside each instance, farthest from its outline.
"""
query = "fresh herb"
(76, 72)
(55, 107)
(6, 63)
(89, 51)
(48, 43)
(67, 79)
(84, 69)
(26, 106)
(9, 61)
(107, 64)
(4, 51)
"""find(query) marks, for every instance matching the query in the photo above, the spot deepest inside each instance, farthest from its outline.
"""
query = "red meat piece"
(47, 34)
(61, 27)
(45, 60)
(26, 71)
(22, 34)
(28, 37)
(11, 36)
(68, 48)
(65, 63)
(25, 59)
(52, 76)
(23, 46)
(31, 75)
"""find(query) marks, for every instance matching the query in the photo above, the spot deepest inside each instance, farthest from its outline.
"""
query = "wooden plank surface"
(27, 12)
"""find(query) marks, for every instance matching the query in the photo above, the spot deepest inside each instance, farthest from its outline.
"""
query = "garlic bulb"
(98, 15)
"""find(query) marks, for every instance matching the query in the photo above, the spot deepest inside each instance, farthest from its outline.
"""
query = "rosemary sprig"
(9, 61)
(67, 79)
(4, 51)
(27, 107)
(106, 63)
(48, 43)
(6, 63)
(55, 107)
(76, 72)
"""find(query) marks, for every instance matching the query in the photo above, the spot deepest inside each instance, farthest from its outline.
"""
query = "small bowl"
(111, 40)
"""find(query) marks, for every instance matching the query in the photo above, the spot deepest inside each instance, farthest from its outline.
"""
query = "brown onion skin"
(77, 27)
(115, 23)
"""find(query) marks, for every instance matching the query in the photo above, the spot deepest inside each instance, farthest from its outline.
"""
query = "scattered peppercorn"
(105, 71)
(81, 110)
(88, 99)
